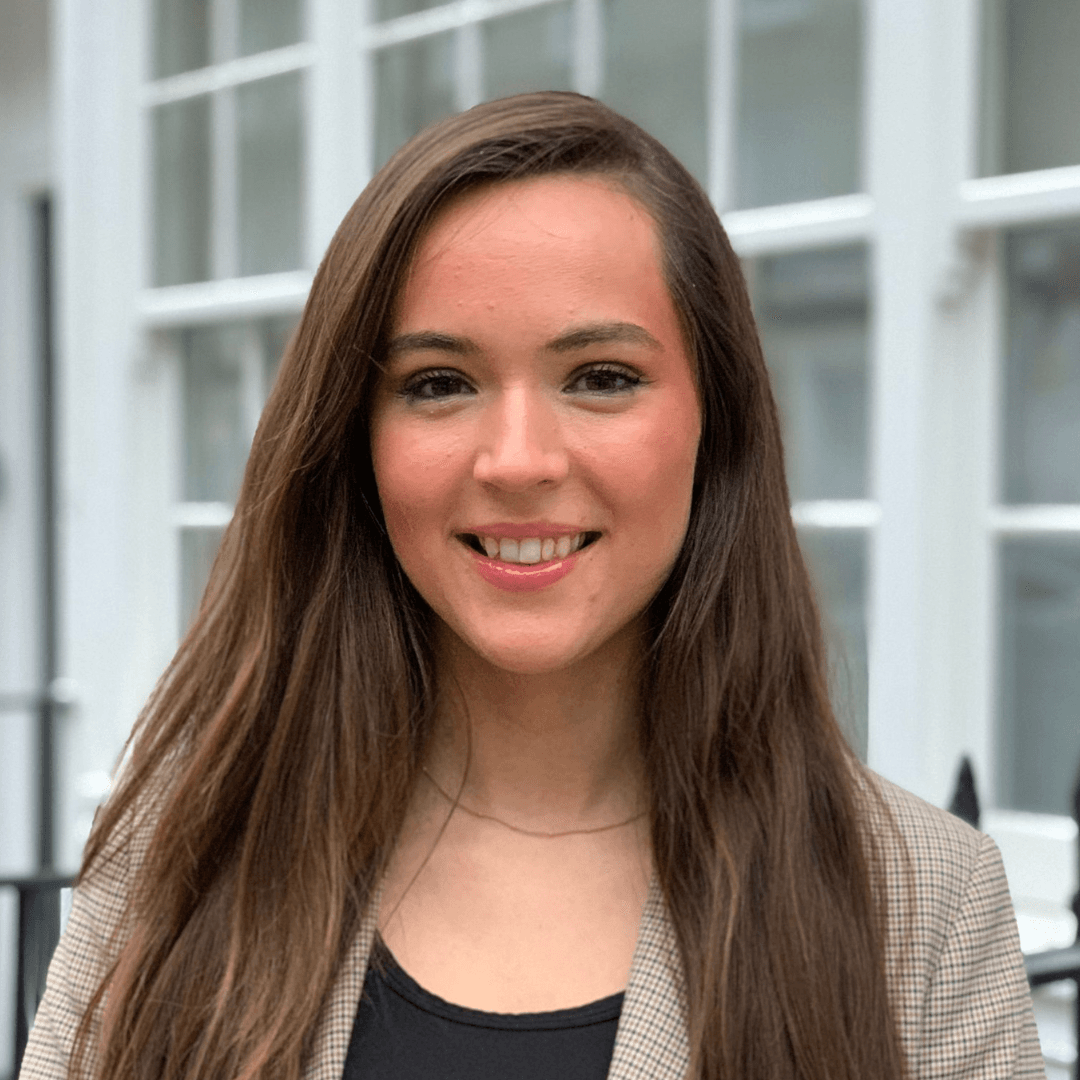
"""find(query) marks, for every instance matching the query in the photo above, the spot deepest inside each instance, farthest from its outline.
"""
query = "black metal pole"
(46, 812)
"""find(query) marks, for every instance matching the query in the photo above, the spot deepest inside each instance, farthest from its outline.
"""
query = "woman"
(508, 679)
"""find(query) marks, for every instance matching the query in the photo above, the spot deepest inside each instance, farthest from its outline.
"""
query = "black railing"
(39, 931)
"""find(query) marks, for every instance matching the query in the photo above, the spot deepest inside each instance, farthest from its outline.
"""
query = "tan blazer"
(957, 977)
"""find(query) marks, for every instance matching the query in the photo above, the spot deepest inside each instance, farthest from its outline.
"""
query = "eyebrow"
(579, 338)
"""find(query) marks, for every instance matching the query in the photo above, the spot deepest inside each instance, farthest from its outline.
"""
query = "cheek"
(648, 478)
(413, 479)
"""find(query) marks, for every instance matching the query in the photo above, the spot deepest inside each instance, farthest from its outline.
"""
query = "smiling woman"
(501, 743)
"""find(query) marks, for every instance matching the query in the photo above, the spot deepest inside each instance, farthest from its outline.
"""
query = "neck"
(542, 751)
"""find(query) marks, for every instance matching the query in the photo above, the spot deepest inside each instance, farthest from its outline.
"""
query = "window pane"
(271, 182)
(811, 309)
(268, 24)
(837, 563)
(1041, 391)
(655, 71)
(181, 36)
(390, 9)
(1030, 85)
(415, 87)
(528, 51)
(1039, 673)
(215, 446)
(181, 156)
(276, 335)
(799, 100)
(197, 550)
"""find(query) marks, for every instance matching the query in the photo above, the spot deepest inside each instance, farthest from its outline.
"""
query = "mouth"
(528, 551)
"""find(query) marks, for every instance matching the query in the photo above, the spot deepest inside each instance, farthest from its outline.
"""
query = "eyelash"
(414, 389)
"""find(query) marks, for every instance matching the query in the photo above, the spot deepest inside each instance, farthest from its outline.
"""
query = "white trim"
(1020, 198)
(588, 47)
(836, 514)
(468, 66)
(721, 98)
(214, 301)
(1034, 520)
(252, 377)
(337, 121)
(201, 515)
(437, 20)
(844, 219)
(209, 80)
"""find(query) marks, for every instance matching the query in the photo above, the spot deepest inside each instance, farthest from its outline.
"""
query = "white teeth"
(529, 551)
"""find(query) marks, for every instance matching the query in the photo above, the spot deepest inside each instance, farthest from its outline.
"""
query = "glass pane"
(837, 563)
(799, 116)
(655, 71)
(181, 156)
(181, 36)
(197, 550)
(1030, 85)
(1041, 398)
(271, 177)
(390, 9)
(215, 446)
(268, 24)
(812, 312)
(276, 335)
(528, 51)
(1039, 673)
(415, 87)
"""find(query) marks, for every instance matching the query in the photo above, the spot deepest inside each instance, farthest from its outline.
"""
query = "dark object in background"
(39, 931)
(965, 800)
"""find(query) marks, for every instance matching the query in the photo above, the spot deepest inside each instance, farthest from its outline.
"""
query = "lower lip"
(520, 577)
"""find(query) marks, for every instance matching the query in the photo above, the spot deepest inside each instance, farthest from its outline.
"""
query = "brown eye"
(435, 386)
(606, 380)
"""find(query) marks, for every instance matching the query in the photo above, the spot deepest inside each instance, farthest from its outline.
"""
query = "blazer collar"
(650, 1043)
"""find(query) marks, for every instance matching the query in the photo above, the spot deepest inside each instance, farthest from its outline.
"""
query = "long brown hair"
(274, 761)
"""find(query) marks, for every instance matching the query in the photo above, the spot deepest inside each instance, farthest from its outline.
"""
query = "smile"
(528, 551)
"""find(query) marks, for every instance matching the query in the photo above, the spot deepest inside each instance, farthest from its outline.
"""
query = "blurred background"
(900, 177)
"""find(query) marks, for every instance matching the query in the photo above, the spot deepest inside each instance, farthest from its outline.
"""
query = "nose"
(522, 444)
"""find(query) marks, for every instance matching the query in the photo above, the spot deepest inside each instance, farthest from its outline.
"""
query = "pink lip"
(520, 577)
(537, 529)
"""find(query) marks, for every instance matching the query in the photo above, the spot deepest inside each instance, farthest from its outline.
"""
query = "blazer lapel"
(326, 1059)
(651, 1042)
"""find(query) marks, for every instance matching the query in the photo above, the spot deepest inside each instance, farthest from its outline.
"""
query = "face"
(535, 432)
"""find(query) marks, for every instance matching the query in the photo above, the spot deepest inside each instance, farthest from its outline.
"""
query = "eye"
(604, 379)
(436, 385)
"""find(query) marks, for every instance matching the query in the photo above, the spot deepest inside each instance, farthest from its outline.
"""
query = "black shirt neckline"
(405, 986)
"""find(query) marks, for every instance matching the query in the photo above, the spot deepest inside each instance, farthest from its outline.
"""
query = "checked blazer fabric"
(954, 964)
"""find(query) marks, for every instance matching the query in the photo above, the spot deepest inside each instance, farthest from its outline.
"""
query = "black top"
(402, 1032)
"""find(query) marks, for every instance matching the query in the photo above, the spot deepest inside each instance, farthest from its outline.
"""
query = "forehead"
(555, 237)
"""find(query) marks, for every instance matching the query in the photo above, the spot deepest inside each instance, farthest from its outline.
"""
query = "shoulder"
(953, 956)
(933, 849)
(937, 871)
(98, 925)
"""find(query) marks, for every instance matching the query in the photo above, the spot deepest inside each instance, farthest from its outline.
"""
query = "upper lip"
(509, 531)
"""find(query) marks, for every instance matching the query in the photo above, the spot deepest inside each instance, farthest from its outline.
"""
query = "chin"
(527, 659)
